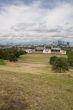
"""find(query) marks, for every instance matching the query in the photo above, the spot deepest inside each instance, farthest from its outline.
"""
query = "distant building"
(47, 50)
(39, 48)
(54, 50)
(27, 49)
(30, 50)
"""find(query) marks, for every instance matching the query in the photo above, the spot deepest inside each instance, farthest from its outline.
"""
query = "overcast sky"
(36, 20)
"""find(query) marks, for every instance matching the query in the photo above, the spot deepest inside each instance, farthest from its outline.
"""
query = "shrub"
(11, 54)
(52, 60)
(70, 58)
(12, 57)
(59, 64)
(2, 62)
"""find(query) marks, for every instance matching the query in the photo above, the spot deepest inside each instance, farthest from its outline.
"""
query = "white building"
(47, 51)
(55, 51)
(30, 50)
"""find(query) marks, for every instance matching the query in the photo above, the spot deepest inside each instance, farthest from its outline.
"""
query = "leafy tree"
(11, 54)
(60, 64)
(53, 59)
(70, 58)
(12, 57)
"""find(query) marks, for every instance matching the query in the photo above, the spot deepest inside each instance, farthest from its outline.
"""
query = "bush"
(60, 64)
(2, 62)
(70, 58)
(11, 54)
(13, 58)
(52, 60)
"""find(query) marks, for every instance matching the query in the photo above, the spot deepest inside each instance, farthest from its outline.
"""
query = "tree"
(60, 64)
(53, 59)
(13, 58)
(70, 58)
(11, 54)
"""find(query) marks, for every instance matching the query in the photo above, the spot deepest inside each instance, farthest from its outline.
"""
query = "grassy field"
(30, 84)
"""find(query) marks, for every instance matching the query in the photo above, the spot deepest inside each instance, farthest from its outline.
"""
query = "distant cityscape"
(58, 43)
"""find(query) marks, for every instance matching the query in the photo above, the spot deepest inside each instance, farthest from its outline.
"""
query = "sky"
(33, 21)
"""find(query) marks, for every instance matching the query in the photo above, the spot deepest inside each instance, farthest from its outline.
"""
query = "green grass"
(27, 90)
(40, 58)
(34, 58)
(2, 62)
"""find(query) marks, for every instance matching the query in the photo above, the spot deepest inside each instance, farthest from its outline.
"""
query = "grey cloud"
(34, 23)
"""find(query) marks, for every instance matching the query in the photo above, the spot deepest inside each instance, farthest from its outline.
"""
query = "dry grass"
(30, 84)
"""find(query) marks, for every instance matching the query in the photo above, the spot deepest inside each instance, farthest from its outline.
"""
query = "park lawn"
(37, 58)
(31, 85)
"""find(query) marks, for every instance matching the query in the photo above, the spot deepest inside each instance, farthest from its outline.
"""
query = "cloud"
(33, 22)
